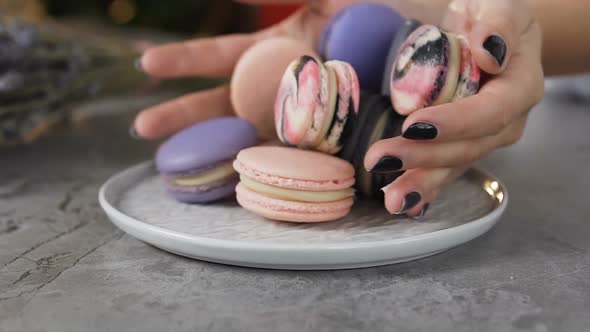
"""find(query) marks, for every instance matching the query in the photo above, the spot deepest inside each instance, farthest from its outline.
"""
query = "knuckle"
(500, 113)
(473, 153)
(511, 138)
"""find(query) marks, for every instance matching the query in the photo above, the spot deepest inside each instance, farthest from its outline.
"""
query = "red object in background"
(268, 15)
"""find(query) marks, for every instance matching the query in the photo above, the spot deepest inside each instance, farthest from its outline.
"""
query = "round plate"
(136, 201)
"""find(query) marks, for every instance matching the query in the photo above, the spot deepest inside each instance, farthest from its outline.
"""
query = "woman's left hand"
(440, 142)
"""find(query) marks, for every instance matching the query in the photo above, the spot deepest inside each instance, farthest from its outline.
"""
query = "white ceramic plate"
(136, 201)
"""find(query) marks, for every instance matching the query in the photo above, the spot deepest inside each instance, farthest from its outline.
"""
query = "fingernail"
(387, 164)
(496, 47)
(138, 66)
(411, 200)
(133, 132)
(420, 131)
(422, 212)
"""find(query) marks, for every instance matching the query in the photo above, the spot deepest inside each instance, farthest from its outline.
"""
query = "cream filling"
(448, 91)
(364, 176)
(330, 112)
(295, 194)
(213, 175)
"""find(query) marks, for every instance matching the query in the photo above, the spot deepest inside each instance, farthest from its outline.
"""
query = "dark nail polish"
(411, 200)
(133, 133)
(420, 131)
(496, 47)
(387, 164)
(138, 66)
(422, 212)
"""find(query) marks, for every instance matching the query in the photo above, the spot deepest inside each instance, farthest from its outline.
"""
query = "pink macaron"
(256, 79)
(432, 67)
(290, 184)
(314, 103)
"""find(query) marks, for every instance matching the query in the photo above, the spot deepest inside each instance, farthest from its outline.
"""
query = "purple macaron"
(196, 163)
(361, 35)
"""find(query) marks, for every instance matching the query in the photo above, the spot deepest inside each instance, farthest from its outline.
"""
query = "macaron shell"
(186, 195)
(302, 103)
(469, 73)
(204, 145)
(373, 107)
(400, 37)
(294, 168)
(355, 129)
(361, 34)
(452, 77)
(256, 79)
(347, 102)
(375, 129)
(277, 209)
(426, 68)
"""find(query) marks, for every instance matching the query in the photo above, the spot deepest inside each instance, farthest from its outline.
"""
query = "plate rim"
(482, 222)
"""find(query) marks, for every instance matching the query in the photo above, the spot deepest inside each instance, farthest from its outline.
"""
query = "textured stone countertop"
(65, 267)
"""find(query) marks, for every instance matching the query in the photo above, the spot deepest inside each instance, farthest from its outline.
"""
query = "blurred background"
(55, 54)
(193, 17)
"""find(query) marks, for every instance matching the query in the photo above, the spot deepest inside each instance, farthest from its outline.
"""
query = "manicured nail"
(387, 164)
(138, 66)
(133, 132)
(496, 47)
(422, 212)
(411, 200)
(420, 131)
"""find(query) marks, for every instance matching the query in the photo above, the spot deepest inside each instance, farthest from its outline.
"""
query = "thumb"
(493, 28)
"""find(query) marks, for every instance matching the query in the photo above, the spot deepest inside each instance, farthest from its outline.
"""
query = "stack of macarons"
(320, 105)
(338, 103)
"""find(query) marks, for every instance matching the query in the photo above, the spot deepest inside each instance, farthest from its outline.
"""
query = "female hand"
(440, 142)
(217, 57)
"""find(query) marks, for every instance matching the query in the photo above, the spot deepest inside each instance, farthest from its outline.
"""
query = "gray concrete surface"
(65, 267)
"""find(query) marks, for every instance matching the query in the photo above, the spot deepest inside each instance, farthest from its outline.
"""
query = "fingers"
(397, 153)
(499, 102)
(485, 114)
(170, 117)
(209, 57)
(416, 189)
(493, 29)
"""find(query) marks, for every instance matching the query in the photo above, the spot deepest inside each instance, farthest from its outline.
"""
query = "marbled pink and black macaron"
(432, 67)
(315, 102)
(196, 163)
(400, 37)
(469, 72)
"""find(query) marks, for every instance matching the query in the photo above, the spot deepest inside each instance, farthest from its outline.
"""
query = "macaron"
(361, 35)
(428, 69)
(289, 184)
(256, 77)
(469, 72)
(314, 103)
(197, 162)
(377, 120)
(400, 37)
